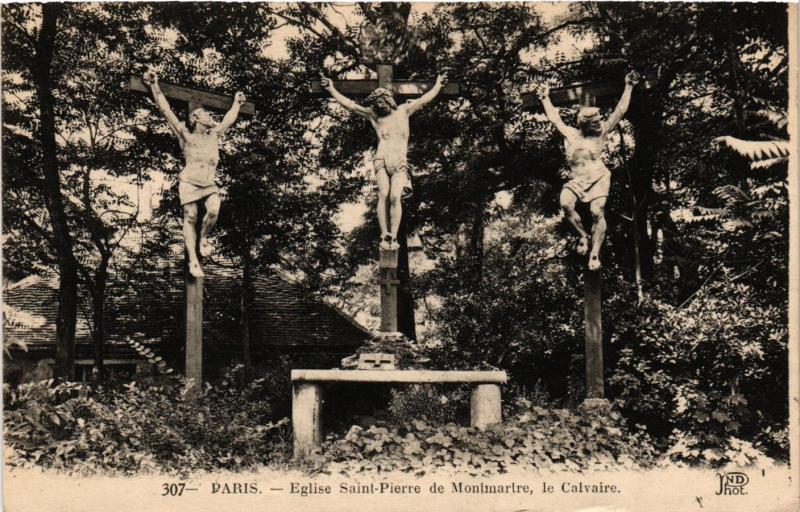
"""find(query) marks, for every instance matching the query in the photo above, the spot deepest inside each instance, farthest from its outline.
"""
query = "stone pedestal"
(485, 408)
(306, 417)
(307, 400)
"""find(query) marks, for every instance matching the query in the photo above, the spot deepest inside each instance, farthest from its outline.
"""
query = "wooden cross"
(587, 95)
(402, 89)
(193, 315)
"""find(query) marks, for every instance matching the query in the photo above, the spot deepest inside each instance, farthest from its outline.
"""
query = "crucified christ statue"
(200, 145)
(390, 122)
(591, 178)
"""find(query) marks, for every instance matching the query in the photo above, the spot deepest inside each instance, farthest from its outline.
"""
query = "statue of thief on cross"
(591, 178)
(200, 145)
(390, 122)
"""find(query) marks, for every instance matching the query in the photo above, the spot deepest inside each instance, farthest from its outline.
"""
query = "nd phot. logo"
(732, 484)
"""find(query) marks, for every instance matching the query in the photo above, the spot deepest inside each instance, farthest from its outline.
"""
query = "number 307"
(172, 489)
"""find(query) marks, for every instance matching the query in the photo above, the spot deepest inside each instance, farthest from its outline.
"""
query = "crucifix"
(195, 100)
(590, 189)
(390, 159)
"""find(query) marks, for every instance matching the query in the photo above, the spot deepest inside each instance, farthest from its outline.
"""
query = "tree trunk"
(476, 240)
(97, 283)
(245, 300)
(637, 259)
(405, 299)
(735, 84)
(51, 189)
(645, 116)
(98, 315)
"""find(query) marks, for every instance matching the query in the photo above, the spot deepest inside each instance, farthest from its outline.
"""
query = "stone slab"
(401, 376)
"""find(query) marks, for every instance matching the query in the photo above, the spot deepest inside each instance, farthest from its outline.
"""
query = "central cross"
(401, 89)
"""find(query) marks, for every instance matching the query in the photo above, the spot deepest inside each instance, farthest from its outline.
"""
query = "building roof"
(282, 313)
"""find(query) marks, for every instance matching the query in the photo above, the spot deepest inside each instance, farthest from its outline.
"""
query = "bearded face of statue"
(382, 106)
(589, 121)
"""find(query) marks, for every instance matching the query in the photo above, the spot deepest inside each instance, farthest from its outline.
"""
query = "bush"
(534, 438)
(706, 377)
(140, 428)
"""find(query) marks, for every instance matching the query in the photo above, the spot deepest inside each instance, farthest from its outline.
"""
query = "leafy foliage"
(534, 438)
(142, 428)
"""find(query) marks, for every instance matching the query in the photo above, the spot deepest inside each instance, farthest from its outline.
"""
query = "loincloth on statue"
(398, 171)
(190, 193)
(591, 187)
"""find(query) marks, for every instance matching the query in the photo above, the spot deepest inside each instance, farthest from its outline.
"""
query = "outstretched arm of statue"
(232, 114)
(552, 112)
(151, 78)
(426, 98)
(344, 101)
(631, 79)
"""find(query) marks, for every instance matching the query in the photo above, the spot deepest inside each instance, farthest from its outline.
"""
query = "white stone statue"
(591, 178)
(200, 145)
(390, 122)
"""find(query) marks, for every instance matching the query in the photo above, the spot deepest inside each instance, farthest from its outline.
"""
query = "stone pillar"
(306, 417)
(485, 406)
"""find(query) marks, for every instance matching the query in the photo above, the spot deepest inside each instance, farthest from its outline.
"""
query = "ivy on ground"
(535, 437)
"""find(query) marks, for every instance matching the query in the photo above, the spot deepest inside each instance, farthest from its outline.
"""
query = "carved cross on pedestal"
(402, 89)
(587, 95)
(193, 98)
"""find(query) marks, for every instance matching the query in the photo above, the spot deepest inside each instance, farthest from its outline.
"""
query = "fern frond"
(763, 164)
(762, 215)
(712, 212)
(734, 224)
(18, 319)
(731, 194)
(778, 119)
(150, 356)
(756, 150)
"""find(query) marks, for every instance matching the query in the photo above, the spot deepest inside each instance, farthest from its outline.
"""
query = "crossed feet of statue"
(389, 243)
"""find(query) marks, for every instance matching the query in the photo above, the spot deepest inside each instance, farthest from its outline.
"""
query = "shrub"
(706, 377)
(140, 428)
(534, 438)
